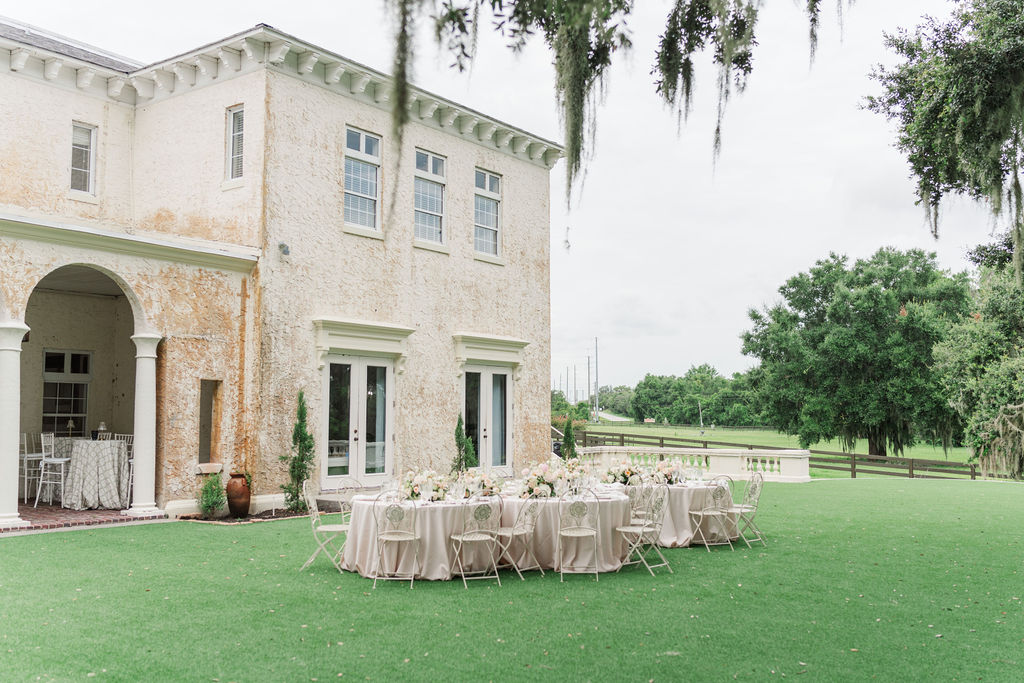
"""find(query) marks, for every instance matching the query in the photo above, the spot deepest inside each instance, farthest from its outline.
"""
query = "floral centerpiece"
(475, 482)
(539, 481)
(669, 471)
(424, 485)
(620, 473)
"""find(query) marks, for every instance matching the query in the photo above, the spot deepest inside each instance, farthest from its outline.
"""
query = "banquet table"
(677, 528)
(97, 476)
(436, 521)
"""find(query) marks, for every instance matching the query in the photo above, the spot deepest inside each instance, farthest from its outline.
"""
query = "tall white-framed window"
(487, 413)
(83, 158)
(235, 141)
(428, 197)
(362, 179)
(487, 213)
(66, 377)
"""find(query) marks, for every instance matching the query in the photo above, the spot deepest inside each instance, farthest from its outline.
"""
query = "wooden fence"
(854, 463)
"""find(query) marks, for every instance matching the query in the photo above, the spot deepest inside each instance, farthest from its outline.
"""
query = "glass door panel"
(376, 420)
(487, 415)
(472, 414)
(339, 411)
(498, 420)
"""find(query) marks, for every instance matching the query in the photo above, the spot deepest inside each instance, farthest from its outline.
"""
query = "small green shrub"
(465, 454)
(211, 496)
(300, 460)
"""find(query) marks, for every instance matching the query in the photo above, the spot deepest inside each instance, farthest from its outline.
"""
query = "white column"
(11, 334)
(144, 444)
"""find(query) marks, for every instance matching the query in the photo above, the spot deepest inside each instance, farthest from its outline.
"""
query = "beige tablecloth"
(97, 474)
(437, 521)
(677, 528)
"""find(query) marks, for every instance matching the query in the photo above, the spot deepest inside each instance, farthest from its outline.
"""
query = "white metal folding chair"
(324, 534)
(395, 519)
(30, 459)
(578, 519)
(481, 519)
(52, 470)
(522, 530)
(129, 444)
(642, 534)
(715, 513)
(747, 510)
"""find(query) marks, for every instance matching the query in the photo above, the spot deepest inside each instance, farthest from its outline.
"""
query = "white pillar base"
(142, 511)
(13, 522)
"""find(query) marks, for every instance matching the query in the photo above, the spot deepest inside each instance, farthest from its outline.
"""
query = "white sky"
(668, 250)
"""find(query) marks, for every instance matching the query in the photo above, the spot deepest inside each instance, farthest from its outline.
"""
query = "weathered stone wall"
(329, 272)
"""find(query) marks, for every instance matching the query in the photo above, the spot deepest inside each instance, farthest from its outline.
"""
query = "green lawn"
(764, 437)
(888, 578)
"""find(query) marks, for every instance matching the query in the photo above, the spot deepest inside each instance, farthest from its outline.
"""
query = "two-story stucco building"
(185, 246)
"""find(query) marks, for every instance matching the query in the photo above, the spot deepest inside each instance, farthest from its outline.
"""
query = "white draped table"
(97, 476)
(677, 528)
(437, 521)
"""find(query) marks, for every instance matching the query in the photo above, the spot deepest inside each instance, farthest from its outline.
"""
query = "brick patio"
(56, 517)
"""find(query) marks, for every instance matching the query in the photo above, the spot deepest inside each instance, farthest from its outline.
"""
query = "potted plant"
(239, 492)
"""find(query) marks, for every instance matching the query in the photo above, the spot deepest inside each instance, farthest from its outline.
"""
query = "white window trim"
(378, 161)
(488, 370)
(90, 194)
(229, 139)
(443, 182)
(497, 258)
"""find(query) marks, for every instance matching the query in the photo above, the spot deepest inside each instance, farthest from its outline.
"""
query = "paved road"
(614, 418)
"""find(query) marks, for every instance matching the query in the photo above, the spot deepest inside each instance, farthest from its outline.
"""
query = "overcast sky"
(667, 250)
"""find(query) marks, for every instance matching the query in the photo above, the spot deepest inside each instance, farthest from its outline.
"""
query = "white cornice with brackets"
(264, 47)
(486, 349)
(361, 337)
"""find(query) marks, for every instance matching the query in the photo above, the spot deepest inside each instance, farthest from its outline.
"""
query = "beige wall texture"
(160, 174)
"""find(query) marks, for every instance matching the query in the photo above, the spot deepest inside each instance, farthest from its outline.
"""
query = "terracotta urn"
(238, 495)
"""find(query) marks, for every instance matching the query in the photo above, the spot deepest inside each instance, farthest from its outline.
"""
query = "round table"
(677, 528)
(436, 521)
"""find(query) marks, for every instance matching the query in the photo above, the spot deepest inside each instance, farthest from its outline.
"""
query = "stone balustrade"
(738, 463)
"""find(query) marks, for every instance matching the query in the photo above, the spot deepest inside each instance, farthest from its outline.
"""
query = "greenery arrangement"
(211, 496)
(300, 460)
(465, 454)
(568, 441)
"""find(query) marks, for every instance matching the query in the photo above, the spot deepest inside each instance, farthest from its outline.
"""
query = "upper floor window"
(236, 129)
(362, 172)
(428, 195)
(83, 157)
(486, 217)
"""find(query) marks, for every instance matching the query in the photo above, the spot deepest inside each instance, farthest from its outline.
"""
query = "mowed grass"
(893, 579)
(765, 437)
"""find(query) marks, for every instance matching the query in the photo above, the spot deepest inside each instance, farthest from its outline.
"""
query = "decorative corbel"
(278, 51)
(208, 66)
(359, 83)
(449, 116)
(538, 150)
(520, 144)
(427, 109)
(306, 62)
(400, 364)
(321, 356)
(164, 80)
(115, 86)
(381, 93)
(231, 59)
(51, 68)
(486, 131)
(504, 138)
(19, 57)
(551, 157)
(467, 124)
(144, 87)
(333, 72)
(83, 78)
(186, 73)
(254, 50)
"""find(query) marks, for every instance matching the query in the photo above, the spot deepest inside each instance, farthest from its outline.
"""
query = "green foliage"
(981, 369)
(559, 404)
(848, 354)
(211, 496)
(958, 98)
(465, 453)
(618, 400)
(583, 35)
(569, 441)
(996, 255)
(300, 460)
(701, 392)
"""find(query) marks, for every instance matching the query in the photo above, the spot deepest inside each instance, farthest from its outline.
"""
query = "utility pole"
(597, 384)
(575, 393)
(590, 397)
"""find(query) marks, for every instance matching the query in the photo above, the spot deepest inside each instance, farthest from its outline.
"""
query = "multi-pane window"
(66, 376)
(428, 197)
(236, 131)
(83, 157)
(362, 172)
(486, 202)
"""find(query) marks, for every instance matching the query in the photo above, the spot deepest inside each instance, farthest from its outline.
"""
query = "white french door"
(359, 399)
(488, 415)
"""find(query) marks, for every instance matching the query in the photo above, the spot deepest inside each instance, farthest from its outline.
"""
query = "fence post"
(973, 471)
(661, 442)
(853, 466)
(705, 444)
(910, 468)
(622, 439)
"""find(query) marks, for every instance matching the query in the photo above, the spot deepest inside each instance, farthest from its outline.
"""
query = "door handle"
(355, 435)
